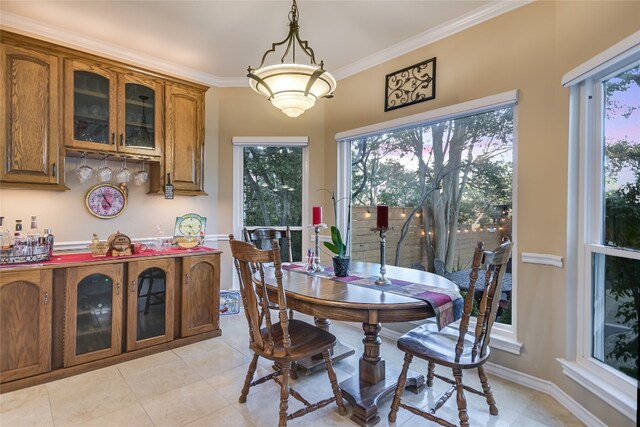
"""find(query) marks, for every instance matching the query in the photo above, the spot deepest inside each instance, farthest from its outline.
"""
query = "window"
(447, 177)
(269, 186)
(604, 244)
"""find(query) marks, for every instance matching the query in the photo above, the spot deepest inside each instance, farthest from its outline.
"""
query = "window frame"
(239, 144)
(503, 336)
(585, 202)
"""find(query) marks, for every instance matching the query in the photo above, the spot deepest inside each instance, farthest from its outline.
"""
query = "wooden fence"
(365, 244)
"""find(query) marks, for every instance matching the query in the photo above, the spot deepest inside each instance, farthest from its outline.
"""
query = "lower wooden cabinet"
(77, 316)
(200, 294)
(25, 324)
(150, 301)
(93, 319)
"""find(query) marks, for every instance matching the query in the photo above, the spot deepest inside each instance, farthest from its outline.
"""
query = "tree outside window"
(448, 179)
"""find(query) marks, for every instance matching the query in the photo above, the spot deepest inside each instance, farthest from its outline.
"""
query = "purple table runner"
(446, 303)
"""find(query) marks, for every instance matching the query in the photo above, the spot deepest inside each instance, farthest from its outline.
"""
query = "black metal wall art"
(411, 85)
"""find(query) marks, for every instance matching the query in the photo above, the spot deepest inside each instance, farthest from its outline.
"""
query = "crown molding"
(440, 32)
(29, 27)
(32, 28)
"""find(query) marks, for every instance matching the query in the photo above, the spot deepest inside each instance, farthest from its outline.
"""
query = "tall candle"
(383, 216)
(317, 215)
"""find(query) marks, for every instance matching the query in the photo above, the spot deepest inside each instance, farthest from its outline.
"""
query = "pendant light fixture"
(291, 87)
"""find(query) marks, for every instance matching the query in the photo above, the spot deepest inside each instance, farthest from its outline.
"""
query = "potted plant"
(337, 245)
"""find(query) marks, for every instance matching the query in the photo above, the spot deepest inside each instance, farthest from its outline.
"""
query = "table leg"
(374, 383)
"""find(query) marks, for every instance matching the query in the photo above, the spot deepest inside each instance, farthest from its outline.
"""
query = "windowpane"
(622, 159)
(273, 186)
(442, 179)
(616, 297)
(272, 182)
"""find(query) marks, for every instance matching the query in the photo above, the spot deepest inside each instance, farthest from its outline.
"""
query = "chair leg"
(430, 369)
(342, 410)
(488, 394)
(284, 394)
(461, 400)
(247, 380)
(402, 380)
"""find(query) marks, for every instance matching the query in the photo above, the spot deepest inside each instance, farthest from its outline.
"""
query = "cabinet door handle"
(118, 289)
(113, 138)
(121, 139)
(46, 297)
(133, 286)
(186, 282)
(53, 169)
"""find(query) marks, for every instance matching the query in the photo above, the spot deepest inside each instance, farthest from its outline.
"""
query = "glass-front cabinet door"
(94, 313)
(150, 303)
(139, 115)
(111, 111)
(90, 97)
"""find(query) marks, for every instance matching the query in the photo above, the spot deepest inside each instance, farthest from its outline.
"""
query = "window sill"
(620, 394)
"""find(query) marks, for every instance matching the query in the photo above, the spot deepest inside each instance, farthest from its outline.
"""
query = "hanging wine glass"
(105, 172)
(141, 175)
(84, 171)
(124, 174)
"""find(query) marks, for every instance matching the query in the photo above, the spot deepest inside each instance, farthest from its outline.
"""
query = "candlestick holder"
(383, 243)
(315, 265)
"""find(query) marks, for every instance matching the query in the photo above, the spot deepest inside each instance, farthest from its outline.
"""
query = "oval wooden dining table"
(324, 298)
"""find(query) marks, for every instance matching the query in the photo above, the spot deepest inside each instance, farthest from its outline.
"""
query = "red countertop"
(74, 259)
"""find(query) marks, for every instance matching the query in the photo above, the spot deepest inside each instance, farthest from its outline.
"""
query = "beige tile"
(131, 415)
(26, 408)
(211, 357)
(199, 385)
(227, 416)
(157, 374)
(229, 384)
(546, 410)
(183, 405)
(263, 405)
(88, 396)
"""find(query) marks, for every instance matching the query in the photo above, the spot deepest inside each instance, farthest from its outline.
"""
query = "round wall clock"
(189, 230)
(106, 201)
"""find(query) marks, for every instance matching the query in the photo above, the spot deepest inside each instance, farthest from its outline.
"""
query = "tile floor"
(199, 384)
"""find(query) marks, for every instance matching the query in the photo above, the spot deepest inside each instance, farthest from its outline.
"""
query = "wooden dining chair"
(454, 349)
(262, 238)
(282, 342)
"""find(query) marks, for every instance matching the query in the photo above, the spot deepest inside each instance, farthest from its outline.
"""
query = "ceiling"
(215, 41)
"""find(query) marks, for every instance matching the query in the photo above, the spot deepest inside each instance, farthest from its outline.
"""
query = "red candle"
(383, 216)
(317, 215)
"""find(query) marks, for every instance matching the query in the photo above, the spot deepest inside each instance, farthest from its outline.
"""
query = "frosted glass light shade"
(285, 85)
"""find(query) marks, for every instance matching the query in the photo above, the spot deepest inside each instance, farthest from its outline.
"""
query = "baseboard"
(546, 387)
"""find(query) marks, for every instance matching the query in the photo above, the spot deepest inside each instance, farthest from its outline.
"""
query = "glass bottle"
(5, 235)
(33, 235)
(19, 242)
(48, 240)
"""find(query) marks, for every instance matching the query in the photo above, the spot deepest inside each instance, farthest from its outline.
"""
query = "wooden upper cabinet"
(30, 119)
(184, 131)
(111, 111)
(25, 326)
(140, 115)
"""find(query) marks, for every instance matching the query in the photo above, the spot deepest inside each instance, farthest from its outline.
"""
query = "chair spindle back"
(250, 262)
(495, 263)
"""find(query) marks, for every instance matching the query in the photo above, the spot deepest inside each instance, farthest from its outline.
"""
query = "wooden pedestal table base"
(374, 382)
